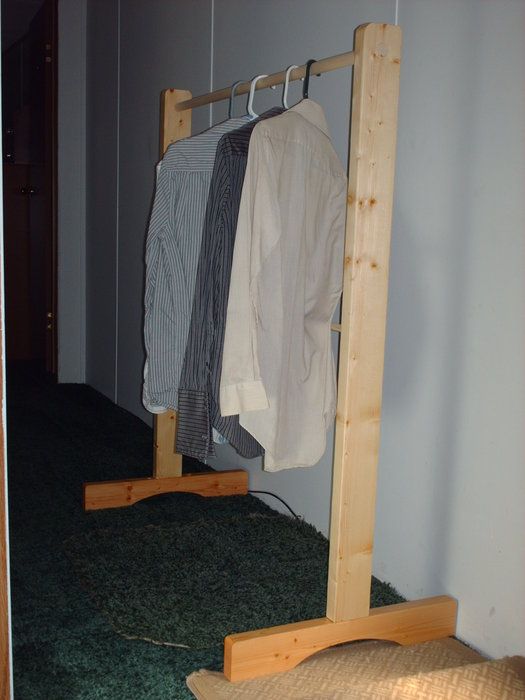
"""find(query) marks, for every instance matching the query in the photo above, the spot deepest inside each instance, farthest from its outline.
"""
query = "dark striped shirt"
(198, 403)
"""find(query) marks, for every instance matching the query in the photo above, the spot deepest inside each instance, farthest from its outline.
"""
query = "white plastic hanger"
(286, 85)
(252, 91)
(232, 95)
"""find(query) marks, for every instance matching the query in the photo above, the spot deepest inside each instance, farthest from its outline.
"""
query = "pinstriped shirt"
(198, 404)
(172, 252)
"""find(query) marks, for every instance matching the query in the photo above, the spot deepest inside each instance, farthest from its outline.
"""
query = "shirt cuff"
(194, 432)
(153, 408)
(242, 397)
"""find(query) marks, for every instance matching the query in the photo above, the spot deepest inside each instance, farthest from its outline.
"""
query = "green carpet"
(64, 647)
(191, 585)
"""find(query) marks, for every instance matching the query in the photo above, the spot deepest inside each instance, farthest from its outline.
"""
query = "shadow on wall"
(406, 336)
(450, 419)
(426, 331)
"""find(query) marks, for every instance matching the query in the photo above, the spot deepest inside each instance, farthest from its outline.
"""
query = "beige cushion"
(376, 670)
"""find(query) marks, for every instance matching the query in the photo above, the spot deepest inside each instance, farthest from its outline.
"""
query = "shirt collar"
(313, 112)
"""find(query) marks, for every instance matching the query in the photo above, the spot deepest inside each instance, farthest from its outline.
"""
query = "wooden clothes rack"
(376, 61)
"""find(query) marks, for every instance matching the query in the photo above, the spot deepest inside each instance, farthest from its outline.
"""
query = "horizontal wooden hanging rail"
(325, 65)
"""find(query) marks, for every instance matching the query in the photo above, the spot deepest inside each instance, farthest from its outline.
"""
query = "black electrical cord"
(269, 493)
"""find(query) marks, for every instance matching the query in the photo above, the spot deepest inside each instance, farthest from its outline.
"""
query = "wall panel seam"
(212, 51)
(117, 211)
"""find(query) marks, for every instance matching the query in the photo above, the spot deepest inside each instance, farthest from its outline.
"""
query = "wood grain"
(363, 317)
(173, 125)
(166, 462)
(275, 649)
(116, 494)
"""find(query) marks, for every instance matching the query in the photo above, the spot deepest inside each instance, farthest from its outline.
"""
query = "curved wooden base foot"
(259, 653)
(115, 494)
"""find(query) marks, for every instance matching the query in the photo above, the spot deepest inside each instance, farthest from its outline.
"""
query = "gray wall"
(135, 49)
(450, 511)
(162, 44)
(71, 184)
(102, 136)
(450, 515)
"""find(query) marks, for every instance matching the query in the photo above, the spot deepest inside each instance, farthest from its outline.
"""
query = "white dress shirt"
(278, 368)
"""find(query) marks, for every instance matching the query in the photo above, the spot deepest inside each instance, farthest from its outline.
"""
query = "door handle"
(28, 190)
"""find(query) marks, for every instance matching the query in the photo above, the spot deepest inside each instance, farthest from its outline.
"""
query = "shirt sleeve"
(156, 299)
(242, 387)
(194, 429)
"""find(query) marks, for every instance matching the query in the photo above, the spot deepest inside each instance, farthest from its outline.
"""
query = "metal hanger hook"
(232, 95)
(286, 85)
(307, 77)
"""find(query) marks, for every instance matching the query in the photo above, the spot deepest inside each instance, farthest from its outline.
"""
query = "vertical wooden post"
(173, 126)
(363, 318)
(166, 462)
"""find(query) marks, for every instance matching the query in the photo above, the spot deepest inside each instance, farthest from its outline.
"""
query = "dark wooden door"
(19, 277)
(29, 126)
